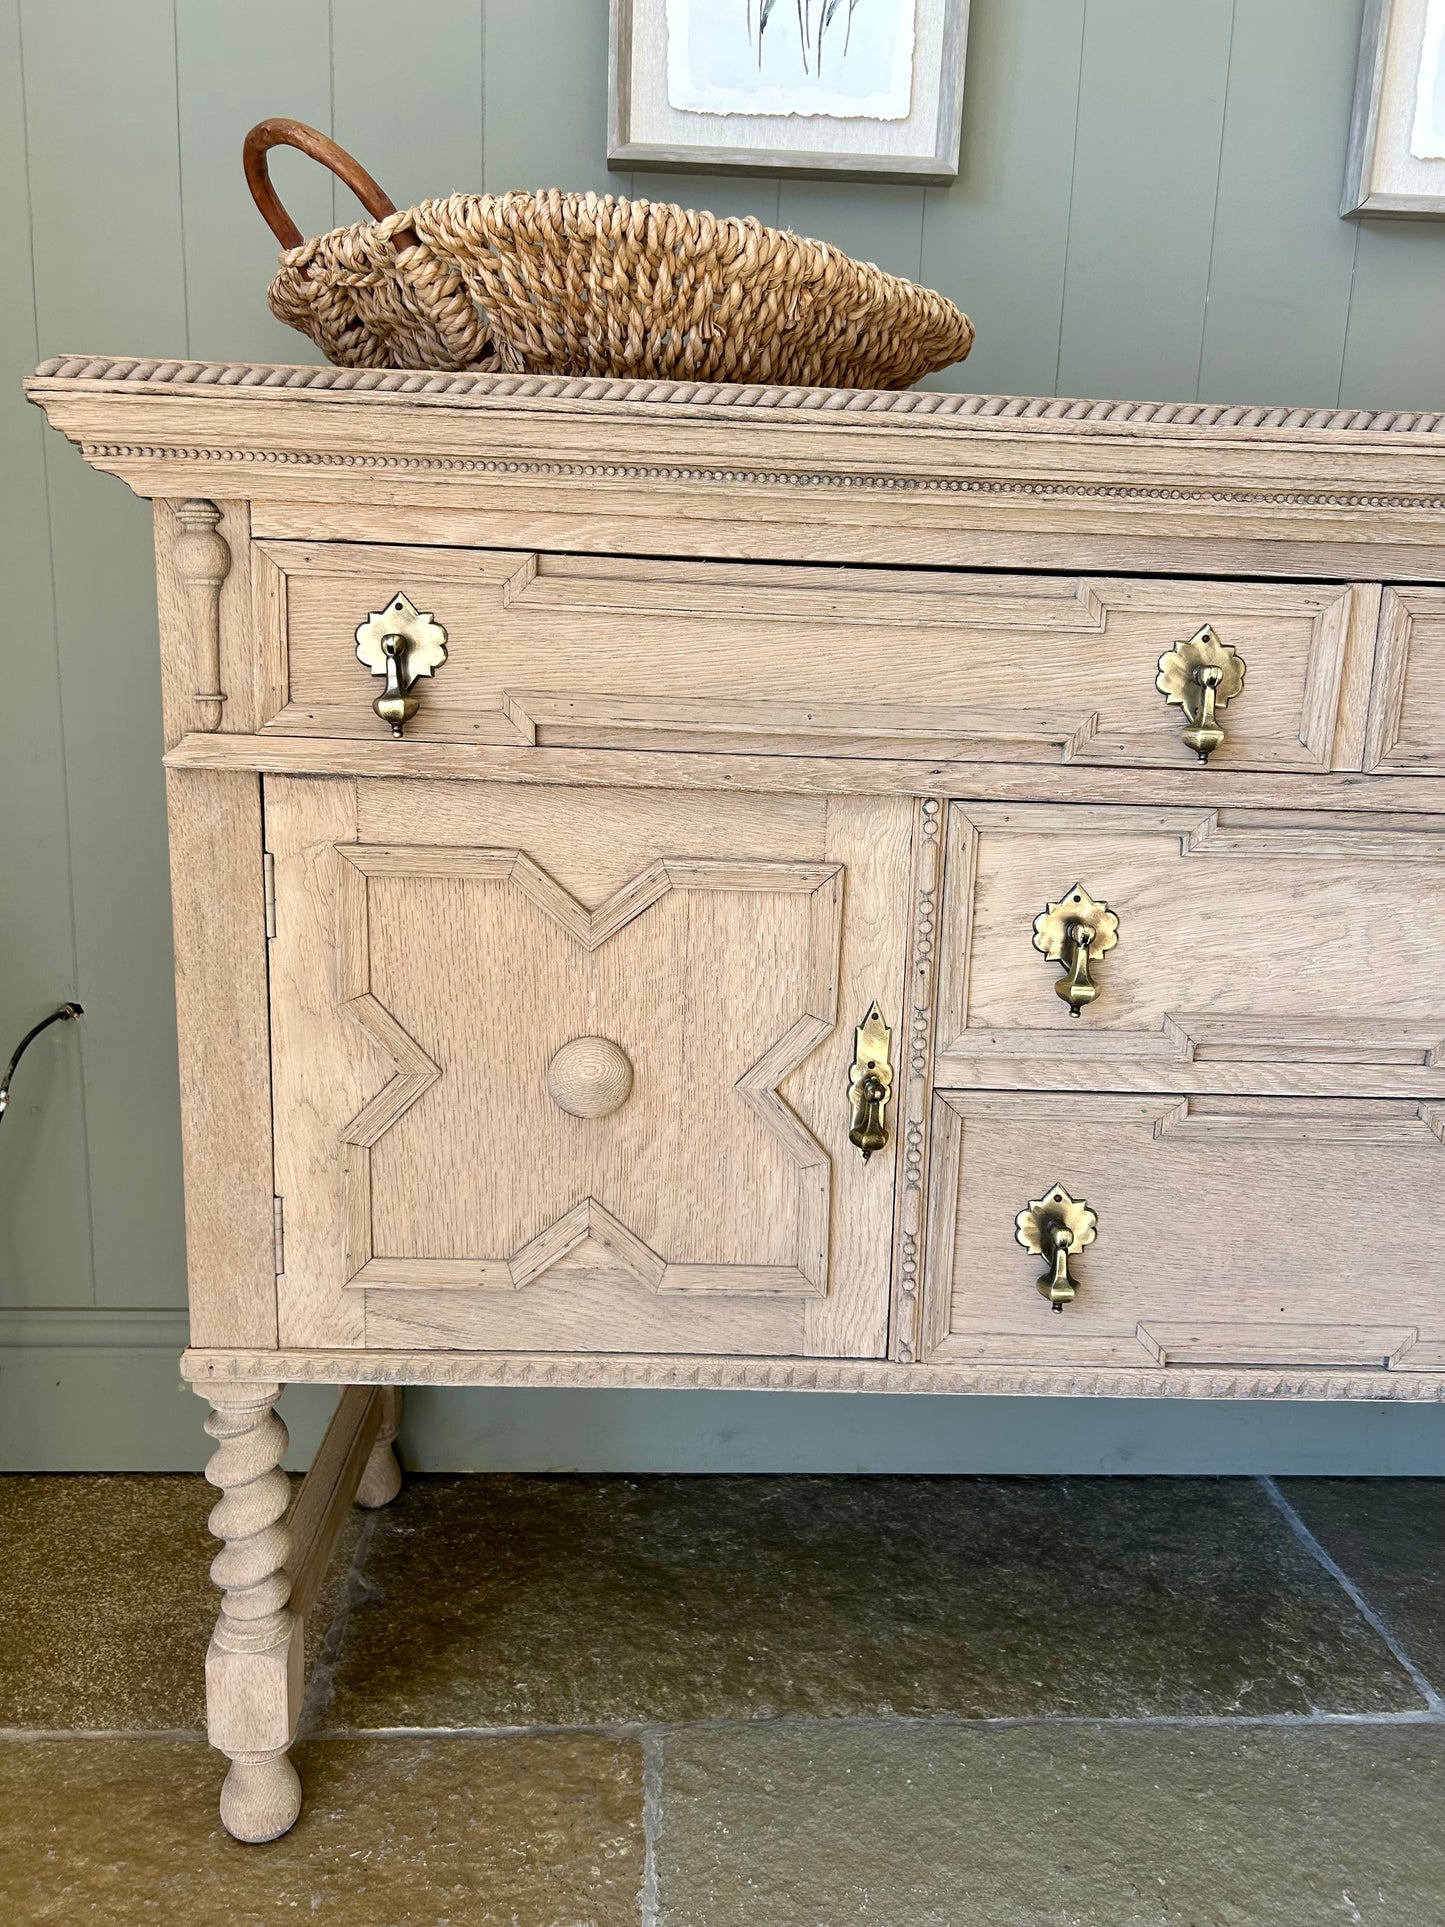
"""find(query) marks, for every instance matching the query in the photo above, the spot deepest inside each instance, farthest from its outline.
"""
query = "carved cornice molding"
(922, 405)
(802, 1375)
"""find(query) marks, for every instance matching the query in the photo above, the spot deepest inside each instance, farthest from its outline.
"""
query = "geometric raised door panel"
(447, 1189)
(506, 900)
(614, 652)
(1231, 1231)
(1304, 946)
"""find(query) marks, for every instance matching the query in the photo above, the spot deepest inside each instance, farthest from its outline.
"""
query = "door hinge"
(268, 883)
(278, 1232)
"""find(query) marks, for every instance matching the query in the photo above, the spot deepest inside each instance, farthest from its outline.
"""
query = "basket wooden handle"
(295, 133)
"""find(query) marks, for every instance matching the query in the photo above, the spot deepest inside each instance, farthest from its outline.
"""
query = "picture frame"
(835, 89)
(1396, 159)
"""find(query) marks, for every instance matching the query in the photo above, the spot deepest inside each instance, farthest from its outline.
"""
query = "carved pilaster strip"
(203, 561)
(917, 1078)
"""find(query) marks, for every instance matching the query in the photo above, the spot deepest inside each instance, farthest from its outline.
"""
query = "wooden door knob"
(590, 1077)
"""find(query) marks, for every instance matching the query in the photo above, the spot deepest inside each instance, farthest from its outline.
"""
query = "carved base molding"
(798, 1375)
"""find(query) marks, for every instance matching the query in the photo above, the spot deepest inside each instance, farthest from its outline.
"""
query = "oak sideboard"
(755, 887)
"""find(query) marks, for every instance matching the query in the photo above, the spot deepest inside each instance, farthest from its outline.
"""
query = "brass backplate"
(1052, 927)
(1178, 677)
(870, 1083)
(1032, 1225)
(424, 640)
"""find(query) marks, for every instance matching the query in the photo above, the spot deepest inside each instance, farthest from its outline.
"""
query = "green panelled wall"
(1147, 207)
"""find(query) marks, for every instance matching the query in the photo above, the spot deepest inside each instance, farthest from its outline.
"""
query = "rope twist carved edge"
(922, 404)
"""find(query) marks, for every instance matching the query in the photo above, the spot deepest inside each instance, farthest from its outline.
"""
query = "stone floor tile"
(107, 1605)
(1389, 1536)
(394, 1833)
(514, 1601)
(810, 1825)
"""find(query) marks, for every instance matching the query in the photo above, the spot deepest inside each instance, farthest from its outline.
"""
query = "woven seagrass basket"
(577, 284)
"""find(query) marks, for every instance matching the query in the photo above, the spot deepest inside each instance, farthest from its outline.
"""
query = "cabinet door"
(567, 1070)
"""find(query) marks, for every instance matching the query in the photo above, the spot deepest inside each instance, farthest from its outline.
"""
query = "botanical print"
(1427, 136)
(848, 59)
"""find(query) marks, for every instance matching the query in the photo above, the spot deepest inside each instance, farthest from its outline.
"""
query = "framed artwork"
(865, 89)
(1396, 161)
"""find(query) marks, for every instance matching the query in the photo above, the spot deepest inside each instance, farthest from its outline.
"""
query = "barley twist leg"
(254, 1666)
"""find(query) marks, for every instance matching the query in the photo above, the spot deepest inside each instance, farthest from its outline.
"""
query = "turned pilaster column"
(254, 1673)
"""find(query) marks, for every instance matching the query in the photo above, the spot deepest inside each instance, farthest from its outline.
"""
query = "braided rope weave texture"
(582, 284)
(926, 405)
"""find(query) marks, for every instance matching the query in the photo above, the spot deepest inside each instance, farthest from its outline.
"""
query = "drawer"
(1301, 947)
(1230, 1231)
(1406, 732)
(570, 1071)
(621, 652)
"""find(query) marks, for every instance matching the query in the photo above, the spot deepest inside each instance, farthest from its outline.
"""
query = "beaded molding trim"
(802, 1375)
(100, 454)
(919, 404)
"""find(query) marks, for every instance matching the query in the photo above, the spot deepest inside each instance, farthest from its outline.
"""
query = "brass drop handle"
(395, 705)
(401, 644)
(1201, 677)
(1054, 1228)
(870, 1083)
(1071, 932)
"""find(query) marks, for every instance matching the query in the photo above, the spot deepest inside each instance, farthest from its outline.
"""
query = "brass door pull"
(1071, 932)
(1053, 1228)
(1201, 677)
(870, 1083)
(402, 644)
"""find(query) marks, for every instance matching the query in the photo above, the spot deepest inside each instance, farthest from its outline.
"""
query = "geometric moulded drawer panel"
(1228, 1231)
(631, 652)
(1239, 938)
(577, 1079)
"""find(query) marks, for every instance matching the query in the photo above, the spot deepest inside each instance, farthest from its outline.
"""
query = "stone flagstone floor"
(785, 1702)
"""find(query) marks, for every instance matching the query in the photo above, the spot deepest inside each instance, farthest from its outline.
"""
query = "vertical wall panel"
(237, 65)
(100, 105)
(995, 240)
(395, 70)
(1282, 259)
(871, 220)
(44, 1209)
(545, 113)
(1395, 341)
(740, 194)
(1151, 111)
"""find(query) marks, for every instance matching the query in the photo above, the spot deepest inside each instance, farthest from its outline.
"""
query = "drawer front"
(618, 652)
(1406, 733)
(1304, 944)
(1258, 1231)
(569, 1071)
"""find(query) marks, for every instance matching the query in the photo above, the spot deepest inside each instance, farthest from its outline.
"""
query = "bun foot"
(381, 1480)
(261, 1797)
(381, 1477)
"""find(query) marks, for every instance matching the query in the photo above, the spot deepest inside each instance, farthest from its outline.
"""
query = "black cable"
(55, 1017)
